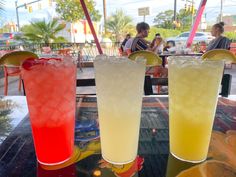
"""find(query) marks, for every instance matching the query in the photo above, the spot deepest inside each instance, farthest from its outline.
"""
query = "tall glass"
(193, 92)
(50, 86)
(119, 84)
(175, 166)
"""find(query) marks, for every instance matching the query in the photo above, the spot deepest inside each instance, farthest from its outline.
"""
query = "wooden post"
(105, 15)
(91, 26)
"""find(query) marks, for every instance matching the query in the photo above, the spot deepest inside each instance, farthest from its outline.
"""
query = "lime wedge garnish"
(151, 58)
(15, 58)
(220, 54)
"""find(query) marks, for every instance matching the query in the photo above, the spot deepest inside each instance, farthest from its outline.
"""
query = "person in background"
(139, 42)
(157, 35)
(128, 36)
(159, 43)
(169, 44)
(220, 41)
(128, 44)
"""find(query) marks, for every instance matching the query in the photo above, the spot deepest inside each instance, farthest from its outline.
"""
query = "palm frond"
(43, 31)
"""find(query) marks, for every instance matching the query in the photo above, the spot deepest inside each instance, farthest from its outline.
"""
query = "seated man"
(139, 43)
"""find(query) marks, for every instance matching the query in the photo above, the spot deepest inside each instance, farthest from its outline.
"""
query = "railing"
(88, 51)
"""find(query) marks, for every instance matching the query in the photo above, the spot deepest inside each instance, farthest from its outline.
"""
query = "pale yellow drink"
(193, 92)
(119, 85)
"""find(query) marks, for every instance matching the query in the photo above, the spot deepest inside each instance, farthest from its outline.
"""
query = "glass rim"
(193, 59)
(118, 59)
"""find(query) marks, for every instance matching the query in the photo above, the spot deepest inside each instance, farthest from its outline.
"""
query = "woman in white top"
(158, 44)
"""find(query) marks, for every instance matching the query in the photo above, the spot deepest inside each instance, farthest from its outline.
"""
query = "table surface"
(17, 156)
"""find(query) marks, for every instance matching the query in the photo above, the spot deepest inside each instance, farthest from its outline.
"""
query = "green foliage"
(165, 33)
(231, 35)
(42, 32)
(119, 24)
(72, 10)
(185, 18)
(60, 39)
(164, 19)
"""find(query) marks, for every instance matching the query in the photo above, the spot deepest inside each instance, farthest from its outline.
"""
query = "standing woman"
(220, 42)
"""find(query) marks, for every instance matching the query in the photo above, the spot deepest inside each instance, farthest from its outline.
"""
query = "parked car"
(199, 37)
(7, 39)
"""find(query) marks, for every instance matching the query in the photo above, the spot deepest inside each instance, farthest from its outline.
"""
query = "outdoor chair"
(154, 65)
(46, 50)
(127, 52)
(11, 63)
(65, 52)
(150, 82)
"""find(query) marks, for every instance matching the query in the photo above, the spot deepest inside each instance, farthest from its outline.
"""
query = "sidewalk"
(88, 72)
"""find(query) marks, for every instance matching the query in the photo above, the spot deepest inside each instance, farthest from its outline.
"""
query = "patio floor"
(88, 72)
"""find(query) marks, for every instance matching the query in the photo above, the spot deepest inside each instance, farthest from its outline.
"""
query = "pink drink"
(50, 91)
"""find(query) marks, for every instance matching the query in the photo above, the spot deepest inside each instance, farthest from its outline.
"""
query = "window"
(184, 35)
(199, 34)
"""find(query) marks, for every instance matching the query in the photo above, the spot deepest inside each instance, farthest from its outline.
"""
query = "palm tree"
(119, 23)
(43, 32)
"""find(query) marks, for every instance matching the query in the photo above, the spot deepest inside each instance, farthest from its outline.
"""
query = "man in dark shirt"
(139, 43)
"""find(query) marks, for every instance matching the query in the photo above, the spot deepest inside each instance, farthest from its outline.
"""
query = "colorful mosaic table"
(17, 156)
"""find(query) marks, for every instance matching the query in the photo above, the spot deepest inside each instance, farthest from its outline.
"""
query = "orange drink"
(119, 84)
(50, 86)
(193, 92)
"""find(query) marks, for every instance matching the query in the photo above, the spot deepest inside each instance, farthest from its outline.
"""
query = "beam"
(175, 6)
(105, 15)
(196, 23)
(91, 26)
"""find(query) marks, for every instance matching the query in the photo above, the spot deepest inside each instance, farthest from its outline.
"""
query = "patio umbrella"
(196, 23)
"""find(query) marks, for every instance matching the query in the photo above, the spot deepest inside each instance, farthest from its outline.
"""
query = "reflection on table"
(17, 156)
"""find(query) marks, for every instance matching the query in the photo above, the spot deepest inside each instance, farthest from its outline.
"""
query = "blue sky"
(129, 6)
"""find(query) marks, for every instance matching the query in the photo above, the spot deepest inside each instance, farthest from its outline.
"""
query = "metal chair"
(154, 64)
(46, 50)
(11, 63)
